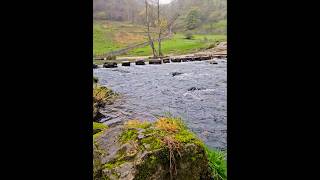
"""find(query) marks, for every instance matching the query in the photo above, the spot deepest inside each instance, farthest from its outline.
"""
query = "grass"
(180, 45)
(217, 163)
(111, 35)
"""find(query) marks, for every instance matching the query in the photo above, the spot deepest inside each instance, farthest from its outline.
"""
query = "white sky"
(165, 1)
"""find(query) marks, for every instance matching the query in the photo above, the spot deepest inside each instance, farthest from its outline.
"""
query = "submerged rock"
(176, 73)
(194, 89)
(141, 150)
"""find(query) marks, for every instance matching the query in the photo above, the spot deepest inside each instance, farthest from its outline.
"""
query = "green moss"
(97, 134)
(112, 165)
(130, 134)
(154, 142)
(151, 164)
(98, 127)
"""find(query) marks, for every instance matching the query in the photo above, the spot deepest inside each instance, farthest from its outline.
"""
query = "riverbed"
(195, 91)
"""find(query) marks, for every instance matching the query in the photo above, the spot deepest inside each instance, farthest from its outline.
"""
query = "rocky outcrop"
(162, 150)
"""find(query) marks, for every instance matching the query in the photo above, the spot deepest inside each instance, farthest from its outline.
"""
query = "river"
(198, 95)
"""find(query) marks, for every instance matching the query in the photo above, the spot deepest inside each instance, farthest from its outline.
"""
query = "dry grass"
(125, 38)
(167, 124)
(173, 146)
(137, 124)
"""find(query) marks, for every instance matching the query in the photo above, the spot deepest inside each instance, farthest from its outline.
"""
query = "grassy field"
(111, 35)
(179, 45)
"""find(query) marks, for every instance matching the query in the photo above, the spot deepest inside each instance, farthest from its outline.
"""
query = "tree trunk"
(148, 31)
(159, 25)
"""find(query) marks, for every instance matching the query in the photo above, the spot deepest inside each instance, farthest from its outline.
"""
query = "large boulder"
(161, 150)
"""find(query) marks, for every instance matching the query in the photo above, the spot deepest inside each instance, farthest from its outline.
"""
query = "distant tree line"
(210, 14)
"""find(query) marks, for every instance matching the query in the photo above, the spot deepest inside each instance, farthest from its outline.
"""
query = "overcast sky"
(165, 1)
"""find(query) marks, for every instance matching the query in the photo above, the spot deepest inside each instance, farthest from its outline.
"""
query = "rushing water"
(198, 95)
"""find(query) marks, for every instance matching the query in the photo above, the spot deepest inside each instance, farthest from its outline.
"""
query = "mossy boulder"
(101, 97)
(165, 149)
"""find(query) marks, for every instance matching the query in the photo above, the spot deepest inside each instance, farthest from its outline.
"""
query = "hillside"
(112, 35)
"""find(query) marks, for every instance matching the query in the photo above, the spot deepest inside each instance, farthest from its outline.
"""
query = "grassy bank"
(180, 45)
(112, 35)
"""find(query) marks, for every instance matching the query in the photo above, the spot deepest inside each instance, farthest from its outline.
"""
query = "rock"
(176, 73)
(166, 60)
(194, 89)
(155, 61)
(176, 60)
(120, 154)
(126, 63)
(110, 65)
(140, 62)
(197, 58)
(95, 66)
(184, 59)
(213, 62)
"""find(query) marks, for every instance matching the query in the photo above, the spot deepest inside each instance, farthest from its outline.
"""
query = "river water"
(198, 95)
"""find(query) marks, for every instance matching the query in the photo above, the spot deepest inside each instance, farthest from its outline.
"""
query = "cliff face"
(164, 150)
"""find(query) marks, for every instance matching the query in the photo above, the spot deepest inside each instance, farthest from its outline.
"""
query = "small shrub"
(211, 46)
(189, 36)
(111, 58)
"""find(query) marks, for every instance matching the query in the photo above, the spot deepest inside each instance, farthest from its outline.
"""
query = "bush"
(211, 46)
(111, 58)
(189, 35)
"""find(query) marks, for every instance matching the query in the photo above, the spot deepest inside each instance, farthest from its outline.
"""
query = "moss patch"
(98, 127)
(127, 135)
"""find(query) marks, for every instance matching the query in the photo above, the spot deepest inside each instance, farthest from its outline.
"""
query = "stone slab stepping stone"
(140, 62)
(126, 63)
(167, 60)
(110, 65)
(155, 61)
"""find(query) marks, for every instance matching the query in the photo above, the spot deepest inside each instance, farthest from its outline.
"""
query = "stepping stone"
(176, 60)
(166, 60)
(155, 61)
(110, 65)
(126, 63)
(140, 62)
